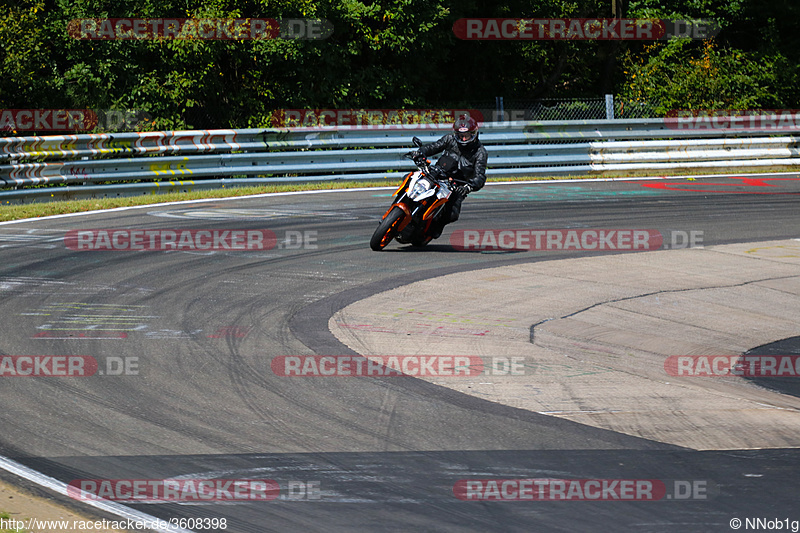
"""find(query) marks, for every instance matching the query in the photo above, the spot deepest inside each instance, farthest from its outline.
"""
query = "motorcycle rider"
(464, 159)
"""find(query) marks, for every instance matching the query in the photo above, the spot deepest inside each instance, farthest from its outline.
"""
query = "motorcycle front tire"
(386, 230)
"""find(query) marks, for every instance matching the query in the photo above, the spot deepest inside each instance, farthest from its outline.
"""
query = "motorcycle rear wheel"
(386, 230)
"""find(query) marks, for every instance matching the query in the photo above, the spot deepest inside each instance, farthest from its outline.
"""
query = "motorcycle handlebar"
(422, 162)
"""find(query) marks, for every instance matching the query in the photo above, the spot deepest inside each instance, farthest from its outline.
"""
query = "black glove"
(463, 190)
(413, 155)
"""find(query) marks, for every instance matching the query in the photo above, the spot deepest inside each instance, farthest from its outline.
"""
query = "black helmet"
(466, 130)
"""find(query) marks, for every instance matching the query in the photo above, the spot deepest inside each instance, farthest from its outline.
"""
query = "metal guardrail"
(349, 152)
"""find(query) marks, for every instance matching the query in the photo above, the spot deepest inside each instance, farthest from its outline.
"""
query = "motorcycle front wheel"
(387, 229)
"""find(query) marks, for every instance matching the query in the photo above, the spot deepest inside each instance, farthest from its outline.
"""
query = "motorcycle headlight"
(420, 187)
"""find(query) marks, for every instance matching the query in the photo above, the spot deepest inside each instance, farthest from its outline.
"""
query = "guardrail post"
(609, 107)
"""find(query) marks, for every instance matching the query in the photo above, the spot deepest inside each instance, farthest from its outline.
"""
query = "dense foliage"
(388, 54)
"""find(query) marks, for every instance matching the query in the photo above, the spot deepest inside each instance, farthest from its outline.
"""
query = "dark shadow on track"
(411, 491)
(786, 385)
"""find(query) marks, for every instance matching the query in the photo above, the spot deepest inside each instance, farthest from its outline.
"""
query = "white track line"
(117, 509)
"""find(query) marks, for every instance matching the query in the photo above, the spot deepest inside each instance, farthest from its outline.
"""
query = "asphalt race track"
(199, 329)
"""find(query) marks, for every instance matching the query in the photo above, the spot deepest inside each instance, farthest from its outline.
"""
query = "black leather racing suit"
(470, 167)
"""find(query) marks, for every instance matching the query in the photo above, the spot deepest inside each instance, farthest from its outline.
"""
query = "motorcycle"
(418, 202)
